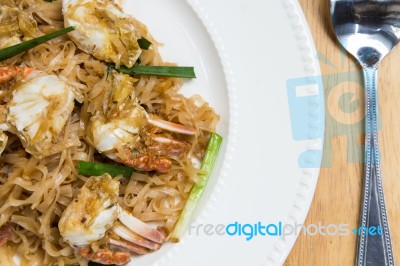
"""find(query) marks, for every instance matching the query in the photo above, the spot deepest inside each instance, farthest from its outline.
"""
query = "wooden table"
(338, 194)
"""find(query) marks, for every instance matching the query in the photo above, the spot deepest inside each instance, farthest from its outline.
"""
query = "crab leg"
(170, 126)
(141, 228)
(138, 235)
(129, 246)
(134, 238)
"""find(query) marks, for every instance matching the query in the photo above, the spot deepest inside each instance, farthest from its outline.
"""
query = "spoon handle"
(374, 244)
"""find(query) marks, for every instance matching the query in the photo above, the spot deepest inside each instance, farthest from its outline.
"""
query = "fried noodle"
(35, 192)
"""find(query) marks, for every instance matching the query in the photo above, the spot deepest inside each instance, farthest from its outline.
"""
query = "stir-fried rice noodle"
(35, 192)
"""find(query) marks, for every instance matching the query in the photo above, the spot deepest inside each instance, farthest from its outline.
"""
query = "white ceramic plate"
(251, 59)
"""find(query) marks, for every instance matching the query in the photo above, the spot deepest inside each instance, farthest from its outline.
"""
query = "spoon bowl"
(368, 30)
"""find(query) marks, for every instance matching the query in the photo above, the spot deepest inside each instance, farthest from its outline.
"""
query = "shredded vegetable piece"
(207, 165)
(25, 46)
(99, 169)
(165, 71)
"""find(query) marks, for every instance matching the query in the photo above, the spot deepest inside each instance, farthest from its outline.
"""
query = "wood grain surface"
(338, 194)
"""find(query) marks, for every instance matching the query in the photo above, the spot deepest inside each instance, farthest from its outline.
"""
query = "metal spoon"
(369, 30)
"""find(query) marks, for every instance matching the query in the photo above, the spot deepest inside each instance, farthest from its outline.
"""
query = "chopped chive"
(165, 71)
(207, 165)
(99, 169)
(25, 46)
(144, 43)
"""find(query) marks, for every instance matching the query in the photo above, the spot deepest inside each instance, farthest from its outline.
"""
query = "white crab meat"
(119, 125)
(92, 212)
(118, 132)
(38, 111)
(103, 30)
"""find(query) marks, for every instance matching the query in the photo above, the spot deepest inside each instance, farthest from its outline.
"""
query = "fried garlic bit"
(103, 30)
(94, 219)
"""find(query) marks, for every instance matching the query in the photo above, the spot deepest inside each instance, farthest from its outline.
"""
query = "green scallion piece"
(165, 71)
(207, 165)
(144, 43)
(99, 169)
(25, 46)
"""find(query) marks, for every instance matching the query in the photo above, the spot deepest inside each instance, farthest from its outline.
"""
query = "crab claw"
(106, 256)
(95, 215)
(147, 163)
(120, 131)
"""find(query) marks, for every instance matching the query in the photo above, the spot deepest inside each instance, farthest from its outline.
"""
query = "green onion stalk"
(207, 165)
(19, 48)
